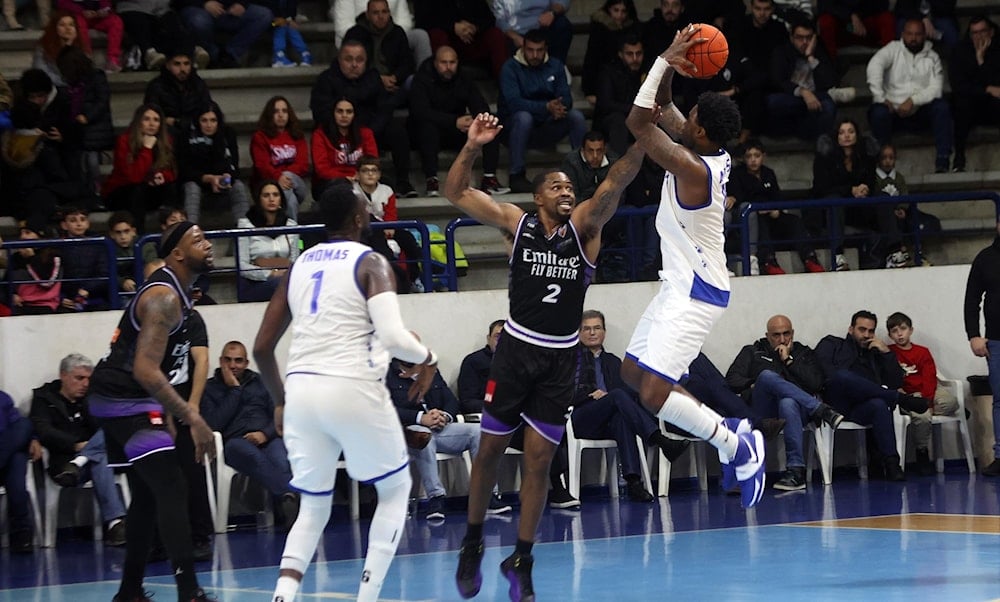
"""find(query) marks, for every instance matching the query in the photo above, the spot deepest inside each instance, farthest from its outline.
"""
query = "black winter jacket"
(372, 104)
(842, 353)
(198, 154)
(236, 411)
(434, 99)
(984, 278)
(59, 424)
(393, 56)
(179, 100)
(803, 370)
(438, 397)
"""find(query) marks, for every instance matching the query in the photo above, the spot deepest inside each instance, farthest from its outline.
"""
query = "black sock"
(523, 547)
(473, 533)
(186, 581)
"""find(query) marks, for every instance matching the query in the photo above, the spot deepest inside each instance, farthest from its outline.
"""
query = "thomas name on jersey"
(549, 265)
(327, 254)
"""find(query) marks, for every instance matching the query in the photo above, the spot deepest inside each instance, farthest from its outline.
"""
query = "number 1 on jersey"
(317, 278)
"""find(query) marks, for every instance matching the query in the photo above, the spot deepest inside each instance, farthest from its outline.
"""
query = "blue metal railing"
(114, 302)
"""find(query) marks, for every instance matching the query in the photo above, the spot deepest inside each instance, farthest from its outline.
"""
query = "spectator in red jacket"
(145, 171)
(280, 152)
(337, 145)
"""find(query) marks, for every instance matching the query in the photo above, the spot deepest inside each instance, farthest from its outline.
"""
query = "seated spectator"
(938, 17)
(975, 83)
(338, 142)
(351, 77)
(166, 216)
(121, 230)
(801, 77)
(237, 404)
(919, 380)
(60, 31)
(85, 267)
(345, 13)
(10, 13)
(18, 446)
(720, 13)
(475, 372)
(753, 39)
(863, 378)
(617, 84)
(536, 105)
(245, 21)
(788, 10)
(178, 90)
(77, 453)
(144, 171)
(386, 43)
(909, 218)
(853, 22)
(35, 274)
(588, 166)
(437, 412)
(753, 182)
(99, 15)
(286, 31)
(443, 103)
(279, 152)
(382, 208)
(609, 25)
(659, 31)
(90, 106)
(515, 18)
(467, 26)
(906, 79)
(845, 168)
(209, 165)
(264, 260)
(781, 378)
(153, 29)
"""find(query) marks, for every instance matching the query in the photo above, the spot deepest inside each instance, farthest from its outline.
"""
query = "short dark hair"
(720, 117)
(863, 314)
(591, 314)
(753, 143)
(369, 160)
(629, 39)
(121, 216)
(69, 210)
(898, 319)
(338, 204)
(539, 180)
(165, 211)
(801, 20)
(494, 324)
(35, 81)
(536, 36)
(594, 136)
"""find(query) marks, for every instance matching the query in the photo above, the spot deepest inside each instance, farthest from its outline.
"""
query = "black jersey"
(113, 377)
(549, 276)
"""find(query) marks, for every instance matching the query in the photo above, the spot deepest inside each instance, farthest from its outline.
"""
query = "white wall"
(454, 324)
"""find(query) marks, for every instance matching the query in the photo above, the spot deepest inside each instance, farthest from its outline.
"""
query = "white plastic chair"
(609, 469)
(698, 463)
(223, 483)
(825, 436)
(937, 427)
(53, 491)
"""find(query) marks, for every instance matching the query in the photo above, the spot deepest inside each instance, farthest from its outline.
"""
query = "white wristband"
(646, 98)
(434, 358)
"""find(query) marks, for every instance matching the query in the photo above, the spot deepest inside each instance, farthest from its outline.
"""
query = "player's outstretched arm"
(458, 185)
(276, 319)
(593, 213)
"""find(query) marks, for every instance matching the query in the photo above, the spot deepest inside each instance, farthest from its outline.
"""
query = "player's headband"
(169, 242)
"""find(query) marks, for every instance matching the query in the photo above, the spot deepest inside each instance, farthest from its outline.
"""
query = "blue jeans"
(788, 114)
(774, 396)
(935, 116)
(993, 361)
(246, 28)
(866, 403)
(284, 35)
(524, 133)
(454, 438)
(267, 464)
(97, 470)
(616, 416)
(294, 195)
(14, 442)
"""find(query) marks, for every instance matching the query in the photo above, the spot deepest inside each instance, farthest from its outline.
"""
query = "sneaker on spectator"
(133, 58)
(841, 262)
(497, 505)
(113, 67)
(201, 58)
(280, 60)
(432, 186)
(813, 265)
(842, 95)
(794, 479)
(560, 498)
(754, 266)
(306, 59)
(405, 190)
(491, 185)
(435, 508)
(771, 268)
(897, 259)
(154, 59)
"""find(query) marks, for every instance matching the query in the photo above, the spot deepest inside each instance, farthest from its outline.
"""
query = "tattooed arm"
(591, 215)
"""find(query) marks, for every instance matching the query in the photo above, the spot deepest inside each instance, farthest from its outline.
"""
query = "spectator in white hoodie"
(345, 13)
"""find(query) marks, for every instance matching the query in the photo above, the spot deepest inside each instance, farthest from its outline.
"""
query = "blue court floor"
(931, 538)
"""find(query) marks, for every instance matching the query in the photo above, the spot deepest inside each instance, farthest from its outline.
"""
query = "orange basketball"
(709, 57)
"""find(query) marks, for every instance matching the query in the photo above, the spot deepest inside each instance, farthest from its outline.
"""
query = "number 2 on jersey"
(317, 278)
(553, 296)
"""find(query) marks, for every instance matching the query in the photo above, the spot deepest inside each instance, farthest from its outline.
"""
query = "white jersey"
(332, 333)
(692, 240)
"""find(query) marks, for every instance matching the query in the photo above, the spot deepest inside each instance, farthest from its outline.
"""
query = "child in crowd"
(920, 380)
(121, 230)
(85, 267)
(286, 31)
(35, 273)
(889, 182)
(99, 15)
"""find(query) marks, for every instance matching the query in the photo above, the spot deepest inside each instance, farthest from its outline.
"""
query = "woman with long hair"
(60, 31)
(99, 15)
(208, 163)
(337, 145)
(265, 259)
(145, 171)
(280, 152)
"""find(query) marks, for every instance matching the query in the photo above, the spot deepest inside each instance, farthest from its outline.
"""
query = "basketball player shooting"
(694, 289)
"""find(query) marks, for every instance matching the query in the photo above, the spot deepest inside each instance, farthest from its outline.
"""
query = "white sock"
(385, 532)
(286, 590)
(314, 512)
(80, 461)
(687, 413)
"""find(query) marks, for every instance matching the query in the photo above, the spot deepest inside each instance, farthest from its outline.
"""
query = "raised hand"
(484, 129)
(676, 53)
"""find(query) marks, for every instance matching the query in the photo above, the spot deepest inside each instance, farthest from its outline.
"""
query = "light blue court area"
(786, 562)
